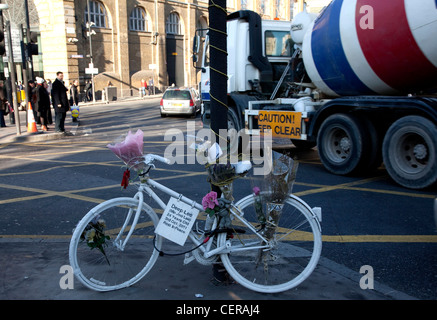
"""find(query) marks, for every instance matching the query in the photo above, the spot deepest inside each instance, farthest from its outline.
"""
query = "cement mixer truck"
(358, 81)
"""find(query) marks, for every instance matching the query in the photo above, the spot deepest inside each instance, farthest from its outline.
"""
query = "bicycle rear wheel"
(97, 255)
(287, 258)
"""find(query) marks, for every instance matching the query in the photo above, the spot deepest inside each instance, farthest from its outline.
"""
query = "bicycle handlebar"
(149, 158)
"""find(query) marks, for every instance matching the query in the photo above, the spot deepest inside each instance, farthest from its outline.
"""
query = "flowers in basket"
(130, 151)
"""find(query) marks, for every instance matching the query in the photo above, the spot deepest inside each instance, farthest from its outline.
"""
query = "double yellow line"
(315, 188)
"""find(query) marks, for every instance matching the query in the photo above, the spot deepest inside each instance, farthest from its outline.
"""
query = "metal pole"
(13, 78)
(218, 76)
(29, 58)
(25, 79)
(91, 49)
(156, 47)
(219, 65)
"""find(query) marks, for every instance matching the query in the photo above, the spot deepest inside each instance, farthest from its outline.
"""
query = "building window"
(138, 20)
(265, 8)
(173, 25)
(97, 14)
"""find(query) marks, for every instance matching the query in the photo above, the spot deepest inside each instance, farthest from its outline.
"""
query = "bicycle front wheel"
(99, 255)
(278, 256)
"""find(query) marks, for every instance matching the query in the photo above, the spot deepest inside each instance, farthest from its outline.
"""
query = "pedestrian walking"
(8, 86)
(4, 108)
(48, 86)
(74, 99)
(60, 101)
(143, 87)
(42, 103)
(88, 91)
(31, 98)
(151, 88)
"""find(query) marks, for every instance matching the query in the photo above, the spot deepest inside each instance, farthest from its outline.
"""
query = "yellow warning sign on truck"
(283, 124)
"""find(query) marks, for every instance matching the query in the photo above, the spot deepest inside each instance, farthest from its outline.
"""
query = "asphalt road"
(47, 186)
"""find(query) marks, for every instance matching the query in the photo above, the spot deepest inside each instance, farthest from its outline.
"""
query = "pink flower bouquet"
(130, 150)
(209, 203)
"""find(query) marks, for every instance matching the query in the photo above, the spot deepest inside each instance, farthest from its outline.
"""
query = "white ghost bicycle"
(115, 244)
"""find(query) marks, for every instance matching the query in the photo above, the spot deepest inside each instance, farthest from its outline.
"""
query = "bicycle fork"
(119, 244)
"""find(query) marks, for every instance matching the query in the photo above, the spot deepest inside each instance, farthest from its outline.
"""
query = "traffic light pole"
(29, 56)
(13, 78)
(25, 78)
(218, 75)
(91, 49)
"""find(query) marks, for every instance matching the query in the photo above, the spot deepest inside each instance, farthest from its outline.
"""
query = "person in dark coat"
(3, 105)
(74, 97)
(60, 101)
(42, 103)
(88, 91)
(31, 97)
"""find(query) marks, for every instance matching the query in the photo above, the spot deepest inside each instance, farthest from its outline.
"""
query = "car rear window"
(177, 95)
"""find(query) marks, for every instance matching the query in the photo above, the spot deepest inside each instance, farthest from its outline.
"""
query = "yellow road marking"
(183, 174)
(51, 168)
(380, 238)
(336, 187)
(72, 193)
(325, 238)
(349, 186)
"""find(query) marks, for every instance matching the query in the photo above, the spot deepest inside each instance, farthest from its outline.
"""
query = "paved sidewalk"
(10, 134)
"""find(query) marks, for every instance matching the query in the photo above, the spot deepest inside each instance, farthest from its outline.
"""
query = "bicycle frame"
(146, 186)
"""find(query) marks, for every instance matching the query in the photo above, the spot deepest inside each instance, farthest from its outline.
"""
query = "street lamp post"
(91, 49)
(13, 78)
(29, 60)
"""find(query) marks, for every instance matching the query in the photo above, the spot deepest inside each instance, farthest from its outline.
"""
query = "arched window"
(97, 14)
(173, 25)
(138, 20)
(202, 24)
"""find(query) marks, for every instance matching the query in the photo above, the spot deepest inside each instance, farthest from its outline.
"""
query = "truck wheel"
(409, 152)
(342, 144)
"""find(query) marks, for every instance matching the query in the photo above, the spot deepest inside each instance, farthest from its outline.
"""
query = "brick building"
(130, 39)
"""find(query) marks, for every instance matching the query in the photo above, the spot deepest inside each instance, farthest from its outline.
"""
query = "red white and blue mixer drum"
(367, 47)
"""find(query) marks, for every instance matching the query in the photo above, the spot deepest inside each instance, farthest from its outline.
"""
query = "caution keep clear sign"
(283, 124)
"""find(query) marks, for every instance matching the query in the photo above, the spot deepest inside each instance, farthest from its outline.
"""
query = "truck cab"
(258, 52)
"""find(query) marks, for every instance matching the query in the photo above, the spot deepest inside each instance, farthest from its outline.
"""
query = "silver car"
(183, 101)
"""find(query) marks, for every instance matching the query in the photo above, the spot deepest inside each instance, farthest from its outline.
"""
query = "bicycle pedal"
(318, 213)
(188, 258)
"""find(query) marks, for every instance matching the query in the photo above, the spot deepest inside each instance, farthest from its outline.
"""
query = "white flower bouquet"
(278, 184)
(271, 191)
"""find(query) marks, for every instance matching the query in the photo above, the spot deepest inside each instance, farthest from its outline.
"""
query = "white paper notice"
(176, 221)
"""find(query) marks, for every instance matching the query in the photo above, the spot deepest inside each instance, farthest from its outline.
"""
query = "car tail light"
(191, 103)
(161, 103)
